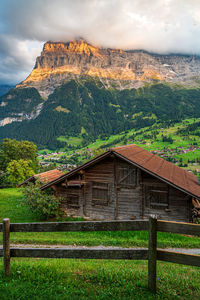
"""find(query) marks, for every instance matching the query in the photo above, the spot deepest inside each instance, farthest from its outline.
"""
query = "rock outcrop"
(60, 62)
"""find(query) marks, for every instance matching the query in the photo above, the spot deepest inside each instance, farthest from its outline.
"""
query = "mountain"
(61, 62)
(79, 90)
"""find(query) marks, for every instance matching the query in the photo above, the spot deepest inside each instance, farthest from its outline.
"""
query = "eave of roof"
(87, 164)
(27, 180)
(47, 176)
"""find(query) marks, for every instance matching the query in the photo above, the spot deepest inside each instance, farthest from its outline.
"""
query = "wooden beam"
(84, 196)
(179, 258)
(116, 190)
(178, 227)
(152, 254)
(143, 199)
(6, 246)
(136, 254)
(80, 226)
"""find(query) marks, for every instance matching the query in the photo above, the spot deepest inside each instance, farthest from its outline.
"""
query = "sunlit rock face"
(60, 62)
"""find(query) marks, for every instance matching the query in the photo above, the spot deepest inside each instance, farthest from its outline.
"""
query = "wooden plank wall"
(124, 202)
(179, 203)
(101, 172)
(64, 192)
(129, 199)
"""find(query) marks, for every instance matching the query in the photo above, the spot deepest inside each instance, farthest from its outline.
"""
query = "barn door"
(127, 195)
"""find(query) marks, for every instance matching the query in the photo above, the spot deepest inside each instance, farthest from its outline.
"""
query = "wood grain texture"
(178, 227)
(138, 254)
(179, 258)
(6, 246)
(80, 226)
(152, 253)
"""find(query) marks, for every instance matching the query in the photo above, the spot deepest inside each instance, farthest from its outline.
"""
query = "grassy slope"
(11, 206)
(140, 139)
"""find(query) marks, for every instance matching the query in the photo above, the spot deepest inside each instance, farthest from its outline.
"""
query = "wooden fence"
(151, 254)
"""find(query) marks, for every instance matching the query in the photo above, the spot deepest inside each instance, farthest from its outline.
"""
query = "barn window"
(100, 193)
(157, 197)
(72, 201)
(127, 176)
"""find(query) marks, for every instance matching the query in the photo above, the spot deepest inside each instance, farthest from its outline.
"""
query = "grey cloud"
(162, 26)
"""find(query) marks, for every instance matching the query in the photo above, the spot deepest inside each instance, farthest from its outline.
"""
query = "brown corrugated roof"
(49, 175)
(160, 168)
(44, 177)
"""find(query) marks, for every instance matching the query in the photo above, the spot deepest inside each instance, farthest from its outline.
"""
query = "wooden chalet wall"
(102, 172)
(178, 206)
(129, 196)
(70, 193)
(115, 189)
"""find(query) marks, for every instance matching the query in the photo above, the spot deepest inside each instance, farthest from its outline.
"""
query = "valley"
(173, 143)
(80, 100)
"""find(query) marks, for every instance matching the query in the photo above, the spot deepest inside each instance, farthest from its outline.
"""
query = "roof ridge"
(126, 146)
(141, 150)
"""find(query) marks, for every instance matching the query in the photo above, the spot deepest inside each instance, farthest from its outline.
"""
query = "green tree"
(15, 150)
(18, 170)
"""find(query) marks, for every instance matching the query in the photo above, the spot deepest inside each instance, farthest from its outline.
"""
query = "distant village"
(65, 162)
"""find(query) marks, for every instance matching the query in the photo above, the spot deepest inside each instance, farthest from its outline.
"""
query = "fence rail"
(79, 226)
(152, 254)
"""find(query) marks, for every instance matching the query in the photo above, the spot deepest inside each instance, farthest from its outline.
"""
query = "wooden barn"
(127, 182)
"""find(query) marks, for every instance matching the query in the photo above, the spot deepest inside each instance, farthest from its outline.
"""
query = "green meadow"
(11, 206)
(149, 138)
(52, 279)
(42, 279)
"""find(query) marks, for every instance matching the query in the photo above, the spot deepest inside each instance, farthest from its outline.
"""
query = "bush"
(18, 170)
(3, 180)
(43, 203)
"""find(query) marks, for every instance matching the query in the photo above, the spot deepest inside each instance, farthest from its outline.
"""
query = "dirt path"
(181, 250)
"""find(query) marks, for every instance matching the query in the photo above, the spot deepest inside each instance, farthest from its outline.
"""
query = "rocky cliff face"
(60, 62)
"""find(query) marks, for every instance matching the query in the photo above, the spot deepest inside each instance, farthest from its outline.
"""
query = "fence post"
(152, 253)
(6, 246)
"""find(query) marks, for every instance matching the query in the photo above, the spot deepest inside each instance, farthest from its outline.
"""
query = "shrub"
(43, 203)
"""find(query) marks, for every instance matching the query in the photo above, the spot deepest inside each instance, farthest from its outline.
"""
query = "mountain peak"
(79, 46)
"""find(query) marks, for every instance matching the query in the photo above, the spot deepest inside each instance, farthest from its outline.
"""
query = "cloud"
(16, 58)
(162, 26)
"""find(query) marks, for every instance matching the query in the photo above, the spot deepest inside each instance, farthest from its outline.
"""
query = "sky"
(160, 26)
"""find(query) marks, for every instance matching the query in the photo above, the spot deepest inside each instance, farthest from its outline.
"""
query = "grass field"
(11, 206)
(41, 279)
(56, 279)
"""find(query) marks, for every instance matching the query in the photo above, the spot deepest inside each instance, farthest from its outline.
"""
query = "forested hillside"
(89, 110)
